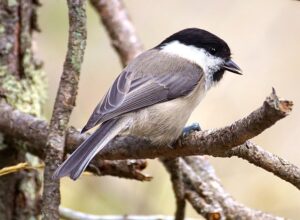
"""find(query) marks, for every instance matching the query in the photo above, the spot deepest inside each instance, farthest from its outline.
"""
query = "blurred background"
(264, 38)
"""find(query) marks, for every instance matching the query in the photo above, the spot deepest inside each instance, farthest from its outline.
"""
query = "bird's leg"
(191, 128)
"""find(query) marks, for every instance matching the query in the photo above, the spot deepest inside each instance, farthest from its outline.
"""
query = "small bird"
(155, 94)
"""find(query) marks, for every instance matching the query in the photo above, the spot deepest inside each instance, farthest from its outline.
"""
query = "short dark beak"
(232, 67)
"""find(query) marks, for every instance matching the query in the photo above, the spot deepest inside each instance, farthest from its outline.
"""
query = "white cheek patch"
(209, 63)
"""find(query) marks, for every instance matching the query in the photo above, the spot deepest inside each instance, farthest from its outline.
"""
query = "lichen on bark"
(27, 94)
(22, 85)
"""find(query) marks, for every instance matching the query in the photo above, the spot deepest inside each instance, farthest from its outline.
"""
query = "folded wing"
(128, 94)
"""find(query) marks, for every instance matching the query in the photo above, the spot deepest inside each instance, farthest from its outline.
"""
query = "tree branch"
(130, 169)
(22, 86)
(120, 29)
(266, 160)
(34, 132)
(69, 214)
(208, 142)
(173, 166)
(198, 191)
(206, 186)
(63, 106)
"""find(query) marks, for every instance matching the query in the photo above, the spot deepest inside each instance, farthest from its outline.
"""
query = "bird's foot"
(191, 128)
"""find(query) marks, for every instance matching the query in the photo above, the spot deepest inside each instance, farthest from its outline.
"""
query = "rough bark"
(14, 123)
(22, 86)
(64, 104)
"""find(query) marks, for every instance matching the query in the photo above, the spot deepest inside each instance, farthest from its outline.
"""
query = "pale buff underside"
(163, 122)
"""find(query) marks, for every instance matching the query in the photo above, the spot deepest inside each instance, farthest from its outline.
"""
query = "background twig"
(202, 174)
(69, 214)
(173, 166)
(119, 27)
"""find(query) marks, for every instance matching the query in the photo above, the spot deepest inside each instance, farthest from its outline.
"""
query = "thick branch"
(64, 104)
(120, 29)
(209, 142)
(35, 131)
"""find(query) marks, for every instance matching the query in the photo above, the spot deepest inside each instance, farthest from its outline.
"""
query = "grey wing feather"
(155, 90)
(113, 98)
(142, 92)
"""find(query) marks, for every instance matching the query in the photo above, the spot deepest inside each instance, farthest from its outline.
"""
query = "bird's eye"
(212, 50)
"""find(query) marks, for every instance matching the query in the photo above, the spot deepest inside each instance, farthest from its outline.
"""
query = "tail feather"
(81, 157)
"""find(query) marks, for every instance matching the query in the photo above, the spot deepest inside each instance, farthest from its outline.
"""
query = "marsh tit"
(155, 94)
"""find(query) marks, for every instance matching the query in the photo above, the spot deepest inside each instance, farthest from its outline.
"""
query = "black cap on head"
(201, 39)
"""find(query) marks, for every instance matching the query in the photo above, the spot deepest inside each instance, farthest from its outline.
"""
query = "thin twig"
(130, 169)
(69, 214)
(64, 104)
(266, 160)
(199, 191)
(173, 166)
(201, 206)
(120, 28)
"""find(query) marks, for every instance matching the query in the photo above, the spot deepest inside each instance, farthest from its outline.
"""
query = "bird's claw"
(191, 128)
